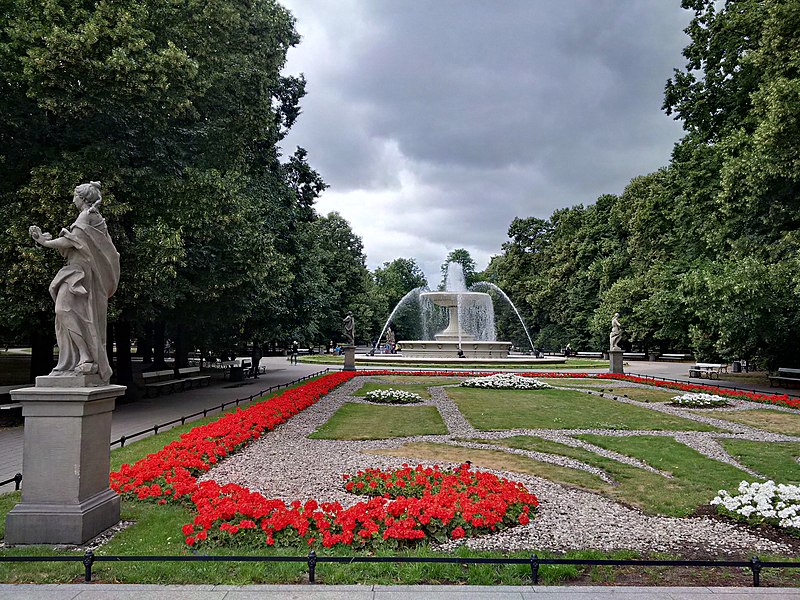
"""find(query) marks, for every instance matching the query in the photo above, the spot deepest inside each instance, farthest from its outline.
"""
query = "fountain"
(470, 330)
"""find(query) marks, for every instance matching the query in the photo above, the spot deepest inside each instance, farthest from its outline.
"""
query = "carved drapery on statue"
(349, 329)
(82, 287)
(615, 337)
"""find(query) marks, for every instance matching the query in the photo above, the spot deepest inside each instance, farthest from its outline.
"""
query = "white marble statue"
(82, 287)
(615, 337)
(349, 329)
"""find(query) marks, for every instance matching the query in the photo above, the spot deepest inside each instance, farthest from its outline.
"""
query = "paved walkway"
(134, 417)
(146, 412)
(383, 592)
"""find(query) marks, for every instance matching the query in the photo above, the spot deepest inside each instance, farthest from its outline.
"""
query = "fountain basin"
(449, 348)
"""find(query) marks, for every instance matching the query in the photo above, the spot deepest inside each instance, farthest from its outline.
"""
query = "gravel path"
(286, 464)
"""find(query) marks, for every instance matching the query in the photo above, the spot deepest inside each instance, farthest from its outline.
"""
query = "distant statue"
(615, 337)
(82, 287)
(349, 329)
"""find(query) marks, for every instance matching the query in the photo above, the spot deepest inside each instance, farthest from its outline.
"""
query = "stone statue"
(349, 329)
(615, 337)
(82, 287)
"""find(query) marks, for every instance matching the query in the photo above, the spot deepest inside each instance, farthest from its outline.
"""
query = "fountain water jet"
(505, 297)
(470, 331)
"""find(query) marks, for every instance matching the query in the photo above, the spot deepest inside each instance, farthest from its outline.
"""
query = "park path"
(145, 412)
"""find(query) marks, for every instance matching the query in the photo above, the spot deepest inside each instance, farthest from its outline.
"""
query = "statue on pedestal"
(349, 329)
(82, 287)
(615, 337)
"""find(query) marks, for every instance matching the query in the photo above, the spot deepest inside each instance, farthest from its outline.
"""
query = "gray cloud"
(435, 123)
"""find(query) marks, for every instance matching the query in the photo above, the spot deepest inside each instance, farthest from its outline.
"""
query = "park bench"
(675, 357)
(589, 354)
(161, 381)
(784, 377)
(710, 370)
(634, 355)
(191, 376)
(10, 414)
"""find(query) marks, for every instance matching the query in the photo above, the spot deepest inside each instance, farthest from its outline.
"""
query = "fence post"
(88, 561)
(755, 566)
(535, 569)
(122, 441)
(155, 429)
(17, 481)
(312, 567)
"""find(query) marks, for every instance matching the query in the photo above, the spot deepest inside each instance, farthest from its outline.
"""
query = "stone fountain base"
(449, 349)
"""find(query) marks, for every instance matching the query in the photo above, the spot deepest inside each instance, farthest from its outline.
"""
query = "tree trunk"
(110, 344)
(181, 349)
(124, 364)
(159, 338)
(144, 347)
(42, 342)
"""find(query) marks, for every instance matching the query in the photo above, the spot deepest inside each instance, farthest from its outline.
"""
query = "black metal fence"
(711, 382)
(755, 564)
(17, 479)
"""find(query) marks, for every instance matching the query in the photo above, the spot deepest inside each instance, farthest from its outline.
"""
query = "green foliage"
(462, 257)
(702, 255)
(179, 109)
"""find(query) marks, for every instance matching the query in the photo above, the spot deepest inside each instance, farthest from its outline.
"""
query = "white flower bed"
(698, 400)
(392, 396)
(778, 504)
(506, 381)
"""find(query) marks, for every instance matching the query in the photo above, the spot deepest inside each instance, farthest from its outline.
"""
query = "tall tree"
(178, 108)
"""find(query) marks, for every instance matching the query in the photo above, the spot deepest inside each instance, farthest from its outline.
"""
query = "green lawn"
(492, 410)
(641, 394)
(696, 478)
(776, 460)
(572, 363)
(414, 388)
(776, 421)
(355, 421)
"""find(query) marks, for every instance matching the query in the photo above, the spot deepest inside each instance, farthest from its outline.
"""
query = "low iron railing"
(755, 564)
(17, 479)
(714, 382)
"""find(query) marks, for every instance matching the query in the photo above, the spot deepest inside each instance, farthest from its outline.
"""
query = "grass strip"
(493, 410)
(776, 460)
(354, 421)
(775, 421)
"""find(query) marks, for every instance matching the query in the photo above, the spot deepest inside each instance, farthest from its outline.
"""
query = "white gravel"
(286, 464)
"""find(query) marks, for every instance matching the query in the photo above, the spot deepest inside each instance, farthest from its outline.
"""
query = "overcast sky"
(436, 122)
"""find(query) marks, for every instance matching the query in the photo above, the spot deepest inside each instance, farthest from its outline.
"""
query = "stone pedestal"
(66, 498)
(349, 358)
(615, 360)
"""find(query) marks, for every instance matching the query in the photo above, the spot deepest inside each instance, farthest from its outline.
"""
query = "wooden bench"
(588, 354)
(161, 381)
(634, 355)
(675, 357)
(784, 377)
(710, 370)
(191, 376)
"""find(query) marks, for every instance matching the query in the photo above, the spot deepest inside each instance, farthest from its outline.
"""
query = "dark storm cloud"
(473, 112)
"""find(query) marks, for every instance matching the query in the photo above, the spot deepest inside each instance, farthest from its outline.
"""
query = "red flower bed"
(776, 399)
(436, 504)
(171, 472)
(408, 505)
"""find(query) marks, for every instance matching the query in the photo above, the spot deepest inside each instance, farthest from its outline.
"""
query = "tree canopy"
(703, 254)
(179, 108)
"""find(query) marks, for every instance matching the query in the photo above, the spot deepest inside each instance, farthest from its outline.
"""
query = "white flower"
(698, 400)
(393, 396)
(778, 504)
(506, 381)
